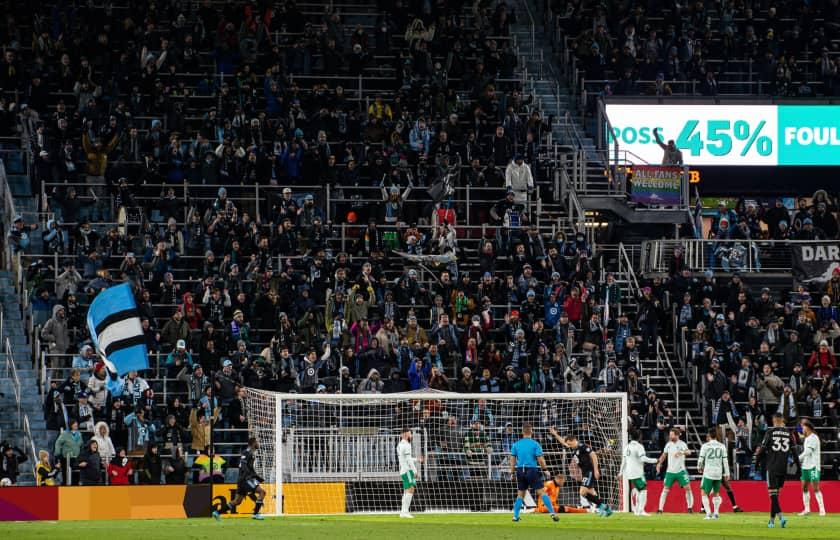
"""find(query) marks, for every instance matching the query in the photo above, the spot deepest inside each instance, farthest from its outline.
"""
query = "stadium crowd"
(383, 287)
(659, 48)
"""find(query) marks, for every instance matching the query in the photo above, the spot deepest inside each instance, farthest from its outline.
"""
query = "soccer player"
(633, 470)
(587, 462)
(408, 470)
(525, 455)
(776, 448)
(714, 466)
(248, 483)
(552, 489)
(810, 458)
(675, 451)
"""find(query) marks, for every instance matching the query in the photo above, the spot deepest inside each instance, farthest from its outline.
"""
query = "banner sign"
(815, 262)
(798, 135)
(656, 185)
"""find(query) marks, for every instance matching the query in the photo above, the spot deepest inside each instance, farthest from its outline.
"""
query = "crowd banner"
(815, 262)
(653, 184)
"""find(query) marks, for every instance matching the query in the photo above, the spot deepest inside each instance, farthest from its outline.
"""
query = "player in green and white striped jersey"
(714, 466)
(810, 458)
(675, 452)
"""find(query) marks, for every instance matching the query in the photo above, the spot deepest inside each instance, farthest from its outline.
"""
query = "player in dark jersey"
(249, 481)
(587, 461)
(777, 448)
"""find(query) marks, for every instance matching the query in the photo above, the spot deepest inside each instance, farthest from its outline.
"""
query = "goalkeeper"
(552, 489)
(525, 455)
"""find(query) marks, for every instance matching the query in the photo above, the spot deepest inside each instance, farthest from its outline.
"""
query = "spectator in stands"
(102, 436)
(69, 443)
(90, 465)
(518, 178)
(822, 361)
(54, 333)
(120, 470)
(10, 459)
(46, 473)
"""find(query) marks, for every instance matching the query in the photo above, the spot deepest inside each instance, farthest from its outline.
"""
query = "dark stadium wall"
(750, 495)
(753, 181)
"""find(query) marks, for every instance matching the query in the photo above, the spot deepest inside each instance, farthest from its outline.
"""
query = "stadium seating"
(169, 148)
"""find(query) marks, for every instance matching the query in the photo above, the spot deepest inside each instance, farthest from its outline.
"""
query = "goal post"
(334, 454)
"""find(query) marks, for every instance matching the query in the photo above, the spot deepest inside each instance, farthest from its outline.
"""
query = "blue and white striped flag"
(114, 324)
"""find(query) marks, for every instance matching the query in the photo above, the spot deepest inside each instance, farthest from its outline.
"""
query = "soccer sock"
(547, 502)
(517, 507)
(406, 501)
(583, 502)
(594, 500)
(689, 498)
(257, 507)
(818, 496)
(806, 501)
(717, 500)
(774, 505)
(662, 497)
(704, 499)
(641, 502)
(634, 500)
(731, 496)
(231, 506)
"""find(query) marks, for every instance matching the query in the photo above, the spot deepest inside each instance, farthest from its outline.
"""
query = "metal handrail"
(625, 266)
(662, 357)
(11, 371)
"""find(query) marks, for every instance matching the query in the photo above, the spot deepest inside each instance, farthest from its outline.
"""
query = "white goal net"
(327, 454)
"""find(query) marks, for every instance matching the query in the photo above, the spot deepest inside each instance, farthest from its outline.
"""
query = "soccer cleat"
(555, 517)
(822, 513)
(737, 509)
(708, 517)
(782, 522)
(771, 525)
(607, 511)
(690, 511)
(715, 516)
(804, 513)
(659, 511)
(643, 514)
(258, 517)
(406, 515)
(514, 519)
(216, 515)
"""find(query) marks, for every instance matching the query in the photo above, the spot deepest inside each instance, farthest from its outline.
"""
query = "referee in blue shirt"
(526, 461)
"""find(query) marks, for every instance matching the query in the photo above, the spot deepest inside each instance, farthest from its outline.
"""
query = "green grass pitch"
(441, 527)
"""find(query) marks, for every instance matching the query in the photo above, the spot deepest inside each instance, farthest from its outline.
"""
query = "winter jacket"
(821, 364)
(90, 467)
(106, 447)
(68, 444)
(55, 333)
(98, 391)
(520, 180)
(119, 471)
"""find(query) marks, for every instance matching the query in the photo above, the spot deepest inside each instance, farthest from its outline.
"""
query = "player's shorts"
(638, 483)
(775, 480)
(707, 485)
(587, 480)
(680, 477)
(810, 475)
(529, 478)
(247, 487)
(408, 480)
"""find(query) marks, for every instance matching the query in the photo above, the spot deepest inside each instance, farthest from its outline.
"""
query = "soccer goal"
(333, 454)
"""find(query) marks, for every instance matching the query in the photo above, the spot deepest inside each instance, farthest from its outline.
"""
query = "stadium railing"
(766, 256)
